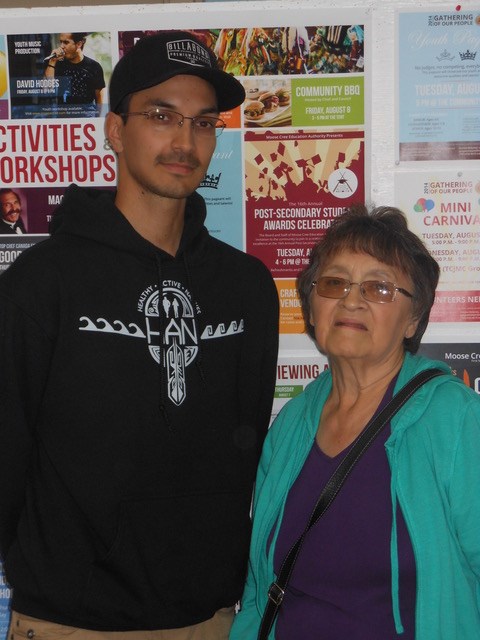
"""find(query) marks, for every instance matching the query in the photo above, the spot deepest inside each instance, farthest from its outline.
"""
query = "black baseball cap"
(159, 57)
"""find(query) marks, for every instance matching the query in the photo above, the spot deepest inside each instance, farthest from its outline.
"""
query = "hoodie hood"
(406, 419)
(414, 408)
(91, 213)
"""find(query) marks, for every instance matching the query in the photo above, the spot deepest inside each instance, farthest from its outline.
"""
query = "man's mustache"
(179, 158)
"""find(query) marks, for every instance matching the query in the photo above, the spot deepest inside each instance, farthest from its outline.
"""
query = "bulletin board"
(374, 102)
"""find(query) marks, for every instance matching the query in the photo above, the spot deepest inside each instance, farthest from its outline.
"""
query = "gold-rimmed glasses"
(165, 119)
(371, 290)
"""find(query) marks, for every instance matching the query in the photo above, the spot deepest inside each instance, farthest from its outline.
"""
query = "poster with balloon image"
(443, 209)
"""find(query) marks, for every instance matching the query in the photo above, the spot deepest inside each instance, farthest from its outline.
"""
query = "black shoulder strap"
(333, 486)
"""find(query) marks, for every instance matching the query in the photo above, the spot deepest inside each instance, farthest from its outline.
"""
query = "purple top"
(341, 583)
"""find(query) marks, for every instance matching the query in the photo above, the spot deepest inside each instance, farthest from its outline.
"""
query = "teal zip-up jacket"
(434, 456)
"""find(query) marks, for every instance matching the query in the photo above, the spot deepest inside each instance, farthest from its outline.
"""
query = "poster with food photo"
(268, 102)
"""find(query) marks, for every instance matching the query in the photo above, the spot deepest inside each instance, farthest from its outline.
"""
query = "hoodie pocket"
(171, 555)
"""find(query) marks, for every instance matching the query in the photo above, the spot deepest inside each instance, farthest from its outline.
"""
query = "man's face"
(169, 163)
(10, 207)
(70, 48)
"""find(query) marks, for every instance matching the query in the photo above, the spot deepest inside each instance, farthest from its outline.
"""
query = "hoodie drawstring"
(198, 359)
(161, 354)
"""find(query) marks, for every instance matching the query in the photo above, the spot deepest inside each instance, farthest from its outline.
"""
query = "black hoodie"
(127, 461)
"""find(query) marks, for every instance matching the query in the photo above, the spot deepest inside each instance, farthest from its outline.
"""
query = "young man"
(138, 363)
(81, 80)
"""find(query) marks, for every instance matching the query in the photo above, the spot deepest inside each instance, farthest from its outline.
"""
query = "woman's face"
(354, 328)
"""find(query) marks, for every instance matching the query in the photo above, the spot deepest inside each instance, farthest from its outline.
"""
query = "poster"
(11, 249)
(290, 318)
(5, 594)
(58, 75)
(438, 84)
(294, 372)
(3, 79)
(222, 191)
(297, 183)
(443, 209)
(462, 358)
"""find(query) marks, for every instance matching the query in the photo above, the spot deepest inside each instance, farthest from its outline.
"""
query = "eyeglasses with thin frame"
(165, 119)
(371, 290)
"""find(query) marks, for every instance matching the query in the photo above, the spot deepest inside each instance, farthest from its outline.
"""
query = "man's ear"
(113, 131)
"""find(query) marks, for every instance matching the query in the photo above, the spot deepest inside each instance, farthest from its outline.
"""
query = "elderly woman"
(398, 550)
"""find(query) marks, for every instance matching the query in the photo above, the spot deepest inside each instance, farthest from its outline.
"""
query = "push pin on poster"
(458, 7)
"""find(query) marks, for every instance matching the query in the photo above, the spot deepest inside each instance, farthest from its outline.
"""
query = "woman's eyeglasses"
(371, 290)
(164, 119)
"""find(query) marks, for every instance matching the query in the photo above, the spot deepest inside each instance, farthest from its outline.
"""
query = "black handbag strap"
(333, 486)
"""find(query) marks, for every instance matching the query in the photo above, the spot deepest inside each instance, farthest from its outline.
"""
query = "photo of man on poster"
(11, 213)
(59, 74)
(81, 79)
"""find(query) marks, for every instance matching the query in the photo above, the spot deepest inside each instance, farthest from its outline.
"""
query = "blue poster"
(439, 85)
(222, 189)
(4, 604)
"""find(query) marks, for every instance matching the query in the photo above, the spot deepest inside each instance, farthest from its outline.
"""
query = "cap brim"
(230, 92)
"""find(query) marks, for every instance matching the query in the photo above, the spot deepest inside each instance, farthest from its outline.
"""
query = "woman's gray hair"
(383, 234)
